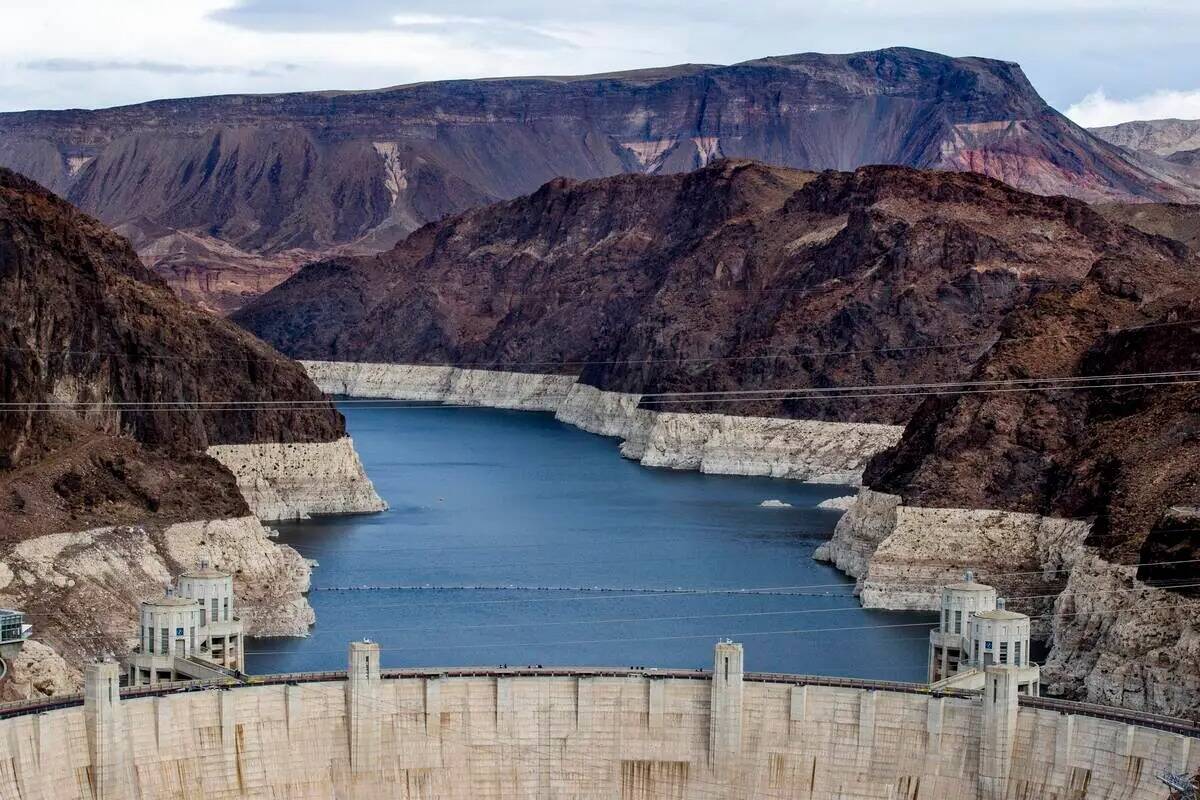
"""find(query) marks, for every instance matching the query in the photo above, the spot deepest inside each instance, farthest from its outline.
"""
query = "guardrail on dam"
(476, 734)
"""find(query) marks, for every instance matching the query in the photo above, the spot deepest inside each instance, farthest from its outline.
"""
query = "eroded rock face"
(734, 277)
(38, 671)
(298, 479)
(125, 387)
(522, 391)
(1113, 638)
(223, 195)
(101, 337)
(903, 555)
(82, 590)
(1120, 641)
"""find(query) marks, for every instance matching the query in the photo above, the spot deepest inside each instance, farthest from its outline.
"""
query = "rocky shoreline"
(808, 450)
(1113, 638)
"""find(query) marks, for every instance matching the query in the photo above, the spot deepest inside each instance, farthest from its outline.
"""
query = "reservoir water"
(515, 539)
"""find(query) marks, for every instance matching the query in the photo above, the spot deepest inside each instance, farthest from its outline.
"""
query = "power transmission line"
(493, 365)
(1069, 383)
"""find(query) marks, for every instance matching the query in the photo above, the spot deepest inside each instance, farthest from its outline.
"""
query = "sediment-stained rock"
(903, 555)
(295, 480)
(524, 391)
(1120, 641)
(810, 450)
(521, 391)
(859, 532)
(838, 503)
(82, 589)
(613, 414)
(1114, 639)
(38, 671)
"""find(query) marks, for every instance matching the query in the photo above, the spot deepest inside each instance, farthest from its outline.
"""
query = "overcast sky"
(1100, 61)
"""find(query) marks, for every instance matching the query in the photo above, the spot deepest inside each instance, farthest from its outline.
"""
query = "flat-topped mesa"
(168, 172)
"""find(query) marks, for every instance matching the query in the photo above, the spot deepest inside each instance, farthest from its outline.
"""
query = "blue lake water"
(515, 539)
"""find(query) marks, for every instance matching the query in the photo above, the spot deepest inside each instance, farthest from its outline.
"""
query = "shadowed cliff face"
(1126, 458)
(97, 350)
(736, 276)
(225, 196)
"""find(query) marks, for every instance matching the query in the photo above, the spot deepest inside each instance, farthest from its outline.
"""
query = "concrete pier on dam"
(545, 734)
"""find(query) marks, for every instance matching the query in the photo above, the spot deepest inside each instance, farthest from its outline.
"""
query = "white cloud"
(136, 50)
(81, 53)
(1099, 109)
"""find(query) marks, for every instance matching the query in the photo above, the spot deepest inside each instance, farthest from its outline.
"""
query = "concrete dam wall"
(617, 735)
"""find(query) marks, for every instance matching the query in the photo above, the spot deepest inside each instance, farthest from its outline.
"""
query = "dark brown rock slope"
(736, 276)
(1126, 457)
(226, 195)
(1177, 221)
(96, 353)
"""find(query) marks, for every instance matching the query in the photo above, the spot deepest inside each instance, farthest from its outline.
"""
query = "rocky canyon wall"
(817, 451)
(1113, 638)
(132, 412)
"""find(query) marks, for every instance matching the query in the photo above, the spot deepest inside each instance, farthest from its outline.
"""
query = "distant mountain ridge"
(1162, 137)
(225, 196)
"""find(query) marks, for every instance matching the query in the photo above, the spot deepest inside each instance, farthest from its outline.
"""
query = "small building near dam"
(976, 631)
(192, 632)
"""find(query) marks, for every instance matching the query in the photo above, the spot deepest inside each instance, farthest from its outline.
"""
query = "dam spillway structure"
(579, 734)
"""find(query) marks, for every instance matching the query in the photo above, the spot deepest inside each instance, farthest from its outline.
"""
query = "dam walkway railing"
(1178, 725)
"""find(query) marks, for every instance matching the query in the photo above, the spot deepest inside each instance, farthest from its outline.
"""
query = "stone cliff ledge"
(1113, 638)
(295, 480)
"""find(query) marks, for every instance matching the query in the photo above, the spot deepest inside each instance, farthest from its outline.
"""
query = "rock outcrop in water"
(115, 390)
(225, 196)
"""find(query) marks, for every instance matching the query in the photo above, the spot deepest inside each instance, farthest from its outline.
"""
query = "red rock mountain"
(225, 196)
(96, 354)
(740, 276)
